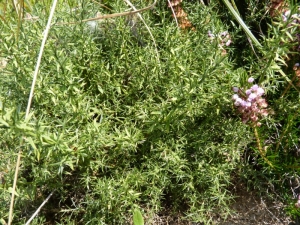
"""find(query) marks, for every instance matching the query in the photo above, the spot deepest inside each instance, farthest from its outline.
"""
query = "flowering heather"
(250, 104)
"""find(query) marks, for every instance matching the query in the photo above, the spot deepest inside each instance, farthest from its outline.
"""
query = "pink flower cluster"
(223, 38)
(250, 104)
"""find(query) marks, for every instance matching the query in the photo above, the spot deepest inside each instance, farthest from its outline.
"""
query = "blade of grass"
(241, 22)
(250, 42)
(173, 12)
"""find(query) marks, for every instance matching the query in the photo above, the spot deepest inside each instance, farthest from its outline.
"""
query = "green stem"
(241, 22)
(261, 151)
(234, 6)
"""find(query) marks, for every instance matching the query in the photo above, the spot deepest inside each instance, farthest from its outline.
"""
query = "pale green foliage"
(111, 129)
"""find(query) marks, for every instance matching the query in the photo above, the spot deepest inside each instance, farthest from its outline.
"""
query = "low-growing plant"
(113, 128)
(110, 129)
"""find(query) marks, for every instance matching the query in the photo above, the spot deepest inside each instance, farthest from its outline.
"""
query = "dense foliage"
(120, 123)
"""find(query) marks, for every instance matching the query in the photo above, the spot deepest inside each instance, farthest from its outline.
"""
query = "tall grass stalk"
(19, 8)
(173, 12)
(45, 33)
(241, 22)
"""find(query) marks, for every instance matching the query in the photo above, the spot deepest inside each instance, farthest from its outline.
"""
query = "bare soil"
(248, 209)
(251, 209)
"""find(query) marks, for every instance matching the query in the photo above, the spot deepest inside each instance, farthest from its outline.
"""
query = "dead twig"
(112, 15)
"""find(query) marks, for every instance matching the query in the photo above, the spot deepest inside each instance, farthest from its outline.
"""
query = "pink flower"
(235, 89)
(254, 107)
(228, 43)
(260, 91)
(251, 97)
(264, 112)
(285, 15)
(248, 92)
(254, 118)
(262, 103)
(250, 80)
(235, 97)
(210, 34)
(238, 102)
(254, 87)
(250, 104)
(224, 33)
(243, 103)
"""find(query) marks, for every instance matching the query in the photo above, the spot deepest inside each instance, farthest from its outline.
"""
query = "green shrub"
(114, 128)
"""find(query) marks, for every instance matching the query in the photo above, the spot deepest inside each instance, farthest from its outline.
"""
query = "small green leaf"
(24, 127)
(70, 164)
(155, 113)
(36, 151)
(4, 123)
(2, 221)
(137, 217)
(47, 140)
(119, 89)
(10, 190)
